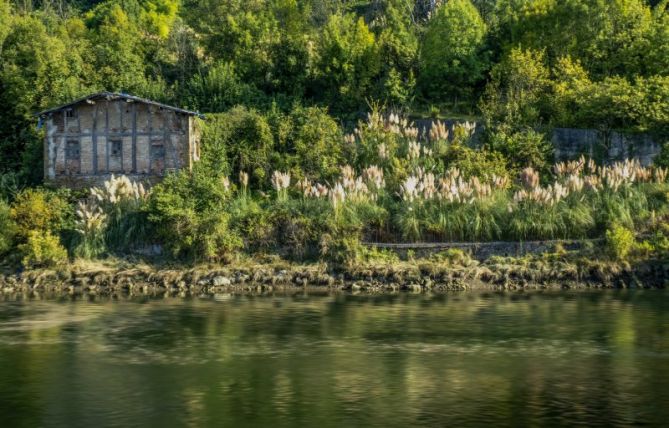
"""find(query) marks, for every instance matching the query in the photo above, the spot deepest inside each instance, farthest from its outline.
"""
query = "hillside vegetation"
(306, 147)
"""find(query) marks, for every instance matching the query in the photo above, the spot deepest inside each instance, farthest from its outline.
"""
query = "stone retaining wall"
(607, 147)
(485, 250)
(571, 143)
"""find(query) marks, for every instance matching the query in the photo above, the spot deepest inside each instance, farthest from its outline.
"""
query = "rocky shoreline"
(413, 276)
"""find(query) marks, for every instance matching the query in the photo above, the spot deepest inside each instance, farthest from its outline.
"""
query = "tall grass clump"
(90, 225)
(123, 203)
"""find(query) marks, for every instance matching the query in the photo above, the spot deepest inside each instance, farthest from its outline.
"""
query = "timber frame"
(107, 133)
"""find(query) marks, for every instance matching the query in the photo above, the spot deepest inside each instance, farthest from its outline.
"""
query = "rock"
(221, 281)
(414, 288)
(355, 287)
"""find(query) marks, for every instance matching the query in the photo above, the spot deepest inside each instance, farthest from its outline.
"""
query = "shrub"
(620, 242)
(9, 185)
(522, 149)
(39, 210)
(378, 255)
(475, 162)
(189, 213)
(309, 143)
(245, 137)
(42, 249)
(662, 160)
(252, 223)
(7, 228)
(452, 256)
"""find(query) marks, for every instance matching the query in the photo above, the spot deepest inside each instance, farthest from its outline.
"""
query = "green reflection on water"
(458, 359)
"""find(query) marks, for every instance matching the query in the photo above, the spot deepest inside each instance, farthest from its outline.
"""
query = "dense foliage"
(395, 184)
(580, 63)
(288, 166)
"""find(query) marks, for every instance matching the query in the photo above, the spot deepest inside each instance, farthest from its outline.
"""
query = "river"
(596, 358)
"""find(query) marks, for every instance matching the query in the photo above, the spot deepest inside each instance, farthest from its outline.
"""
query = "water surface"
(591, 358)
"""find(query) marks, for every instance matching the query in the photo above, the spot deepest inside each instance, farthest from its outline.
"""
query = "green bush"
(39, 210)
(662, 160)
(475, 162)
(7, 228)
(522, 149)
(452, 256)
(42, 249)
(309, 143)
(239, 140)
(188, 211)
(252, 222)
(620, 242)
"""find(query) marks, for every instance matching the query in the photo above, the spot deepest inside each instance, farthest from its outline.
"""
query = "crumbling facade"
(107, 133)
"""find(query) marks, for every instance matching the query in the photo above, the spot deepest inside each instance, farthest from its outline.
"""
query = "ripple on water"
(591, 359)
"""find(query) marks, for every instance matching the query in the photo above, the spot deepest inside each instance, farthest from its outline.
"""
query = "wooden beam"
(95, 140)
(158, 133)
(134, 138)
(167, 122)
(107, 135)
(150, 120)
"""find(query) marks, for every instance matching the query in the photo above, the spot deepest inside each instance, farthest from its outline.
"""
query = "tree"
(37, 70)
(398, 50)
(118, 55)
(241, 32)
(346, 62)
(5, 20)
(452, 60)
(219, 88)
(657, 61)
(515, 95)
(608, 37)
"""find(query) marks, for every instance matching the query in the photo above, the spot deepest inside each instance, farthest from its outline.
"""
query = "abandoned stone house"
(107, 133)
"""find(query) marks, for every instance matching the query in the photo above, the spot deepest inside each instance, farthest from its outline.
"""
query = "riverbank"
(449, 271)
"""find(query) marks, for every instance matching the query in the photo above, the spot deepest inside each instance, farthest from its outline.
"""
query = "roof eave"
(109, 95)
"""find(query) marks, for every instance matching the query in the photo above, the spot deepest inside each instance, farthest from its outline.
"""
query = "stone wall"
(571, 143)
(606, 147)
(485, 250)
